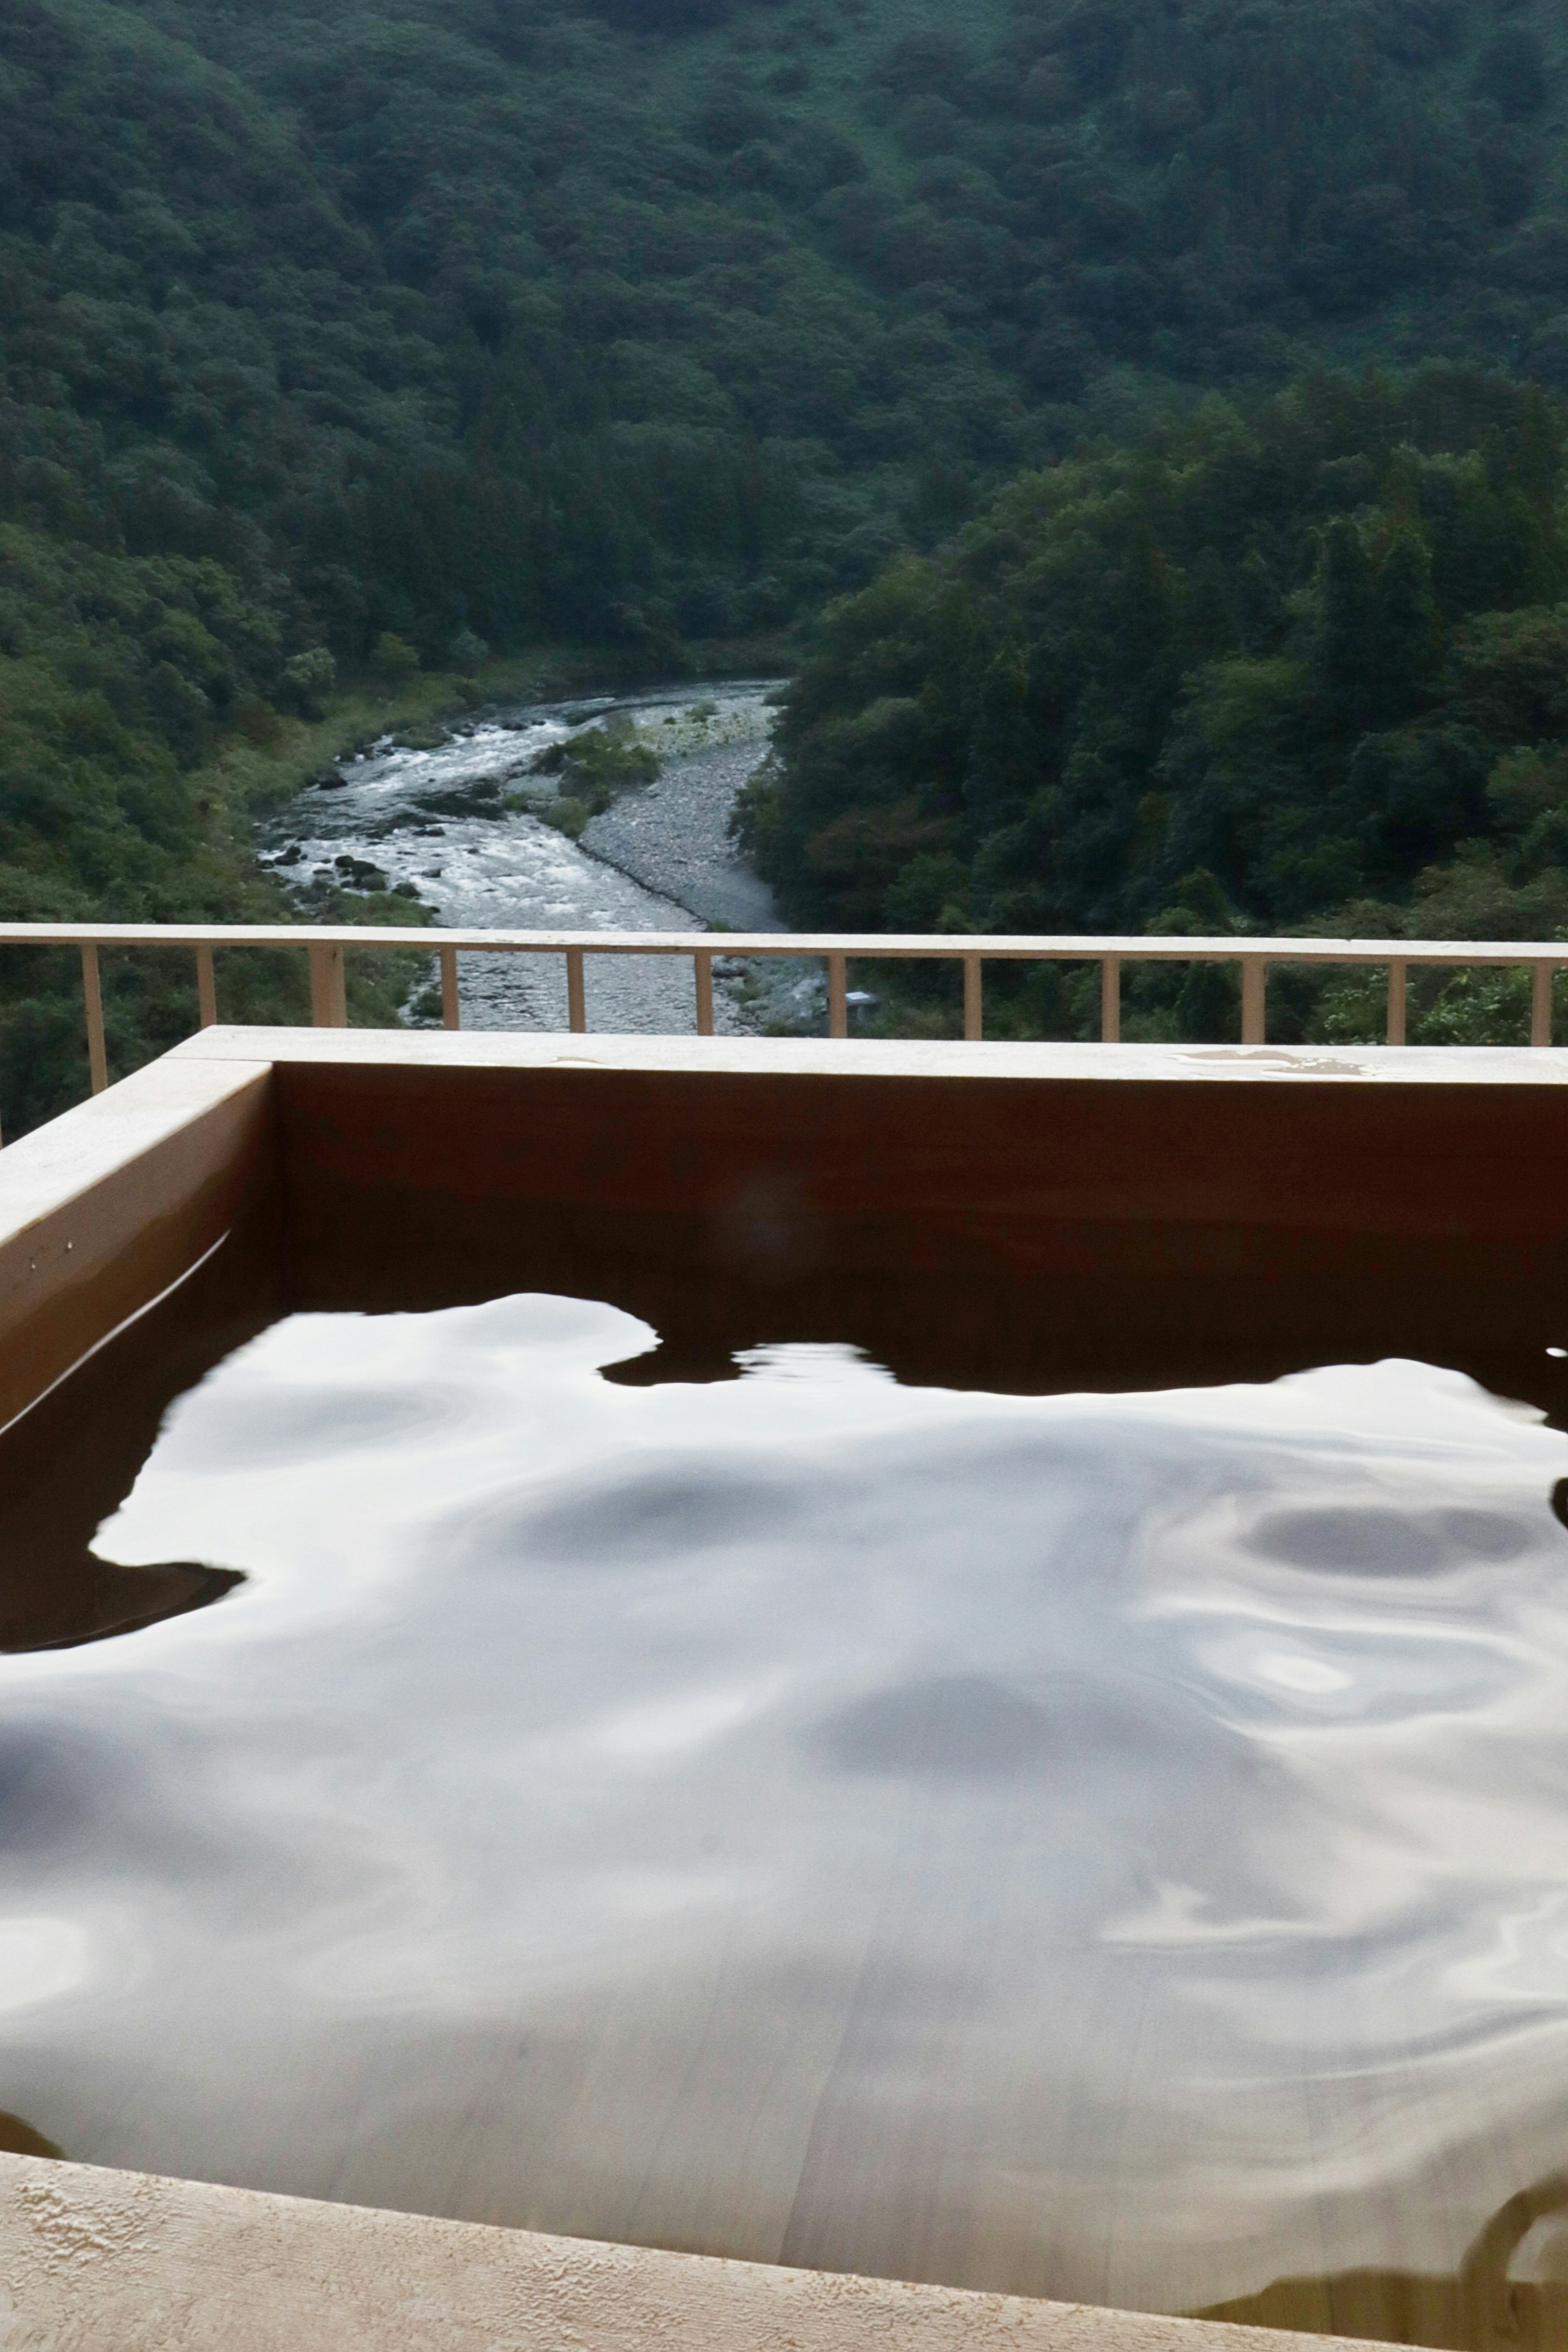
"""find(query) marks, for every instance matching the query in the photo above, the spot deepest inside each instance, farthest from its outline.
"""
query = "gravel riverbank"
(672, 836)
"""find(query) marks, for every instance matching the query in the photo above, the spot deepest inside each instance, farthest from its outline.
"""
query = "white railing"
(325, 945)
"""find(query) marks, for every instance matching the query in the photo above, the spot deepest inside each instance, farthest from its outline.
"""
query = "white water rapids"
(436, 823)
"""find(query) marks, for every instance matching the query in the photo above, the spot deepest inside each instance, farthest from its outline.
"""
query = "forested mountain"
(1302, 669)
(654, 318)
(462, 325)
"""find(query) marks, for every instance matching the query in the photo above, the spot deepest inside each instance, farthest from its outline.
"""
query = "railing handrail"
(326, 943)
(1075, 947)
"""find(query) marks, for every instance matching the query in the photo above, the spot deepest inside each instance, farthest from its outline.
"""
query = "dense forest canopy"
(655, 320)
(1306, 670)
(446, 330)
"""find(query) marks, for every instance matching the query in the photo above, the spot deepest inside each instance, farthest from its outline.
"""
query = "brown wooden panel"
(982, 1158)
(1130, 1219)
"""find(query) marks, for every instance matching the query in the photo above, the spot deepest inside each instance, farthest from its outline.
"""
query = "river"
(435, 825)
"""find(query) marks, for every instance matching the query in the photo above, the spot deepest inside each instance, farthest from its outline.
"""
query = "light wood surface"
(103, 1208)
(502, 1049)
(1089, 947)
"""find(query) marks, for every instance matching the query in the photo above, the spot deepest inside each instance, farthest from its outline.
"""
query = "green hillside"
(664, 319)
(1302, 669)
(647, 324)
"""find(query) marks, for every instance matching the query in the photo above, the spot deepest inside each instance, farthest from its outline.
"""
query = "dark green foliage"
(1235, 675)
(1511, 71)
(510, 319)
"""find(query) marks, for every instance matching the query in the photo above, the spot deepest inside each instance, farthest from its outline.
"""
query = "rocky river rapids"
(443, 825)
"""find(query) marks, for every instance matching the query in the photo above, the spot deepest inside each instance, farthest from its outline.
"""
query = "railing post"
(97, 1051)
(1540, 1004)
(1111, 999)
(838, 1009)
(703, 973)
(451, 1013)
(973, 1004)
(206, 989)
(1254, 999)
(1396, 977)
(329, 1003)
(576, 996)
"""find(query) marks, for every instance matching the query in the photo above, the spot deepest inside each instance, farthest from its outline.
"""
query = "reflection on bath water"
(1106, 1847)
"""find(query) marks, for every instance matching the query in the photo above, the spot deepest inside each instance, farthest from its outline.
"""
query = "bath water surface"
(1113, 1848)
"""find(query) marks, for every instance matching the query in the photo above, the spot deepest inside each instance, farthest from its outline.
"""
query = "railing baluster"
(1540, 1004)
(1254, 999)
(97, 1051)
(1111, 999)
(328, 999)
(974, 1003)
(1396, 978)
(329, 1007)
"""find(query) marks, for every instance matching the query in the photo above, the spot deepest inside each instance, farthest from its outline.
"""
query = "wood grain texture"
(105, 1207)
(1425, 1215)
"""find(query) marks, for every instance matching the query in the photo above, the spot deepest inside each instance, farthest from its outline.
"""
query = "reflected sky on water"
(1114, 1848)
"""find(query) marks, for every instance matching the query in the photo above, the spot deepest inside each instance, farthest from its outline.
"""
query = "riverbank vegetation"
(101, 822)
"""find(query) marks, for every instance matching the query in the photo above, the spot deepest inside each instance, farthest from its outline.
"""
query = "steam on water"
(1113, 1848)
